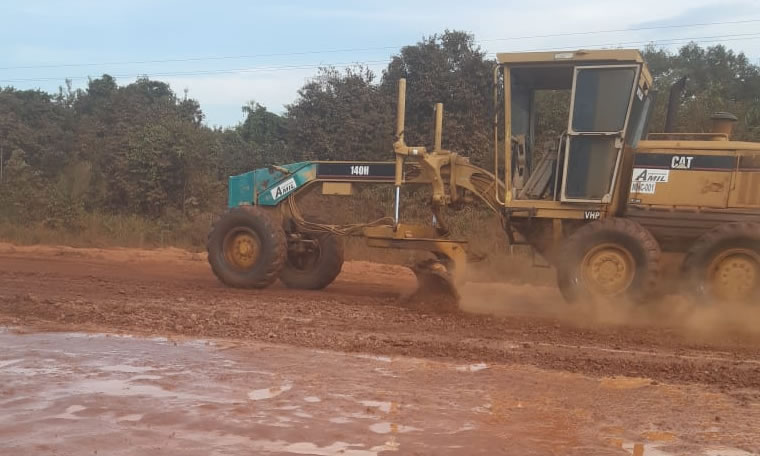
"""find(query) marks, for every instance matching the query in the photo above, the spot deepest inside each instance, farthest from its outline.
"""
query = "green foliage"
(136, 164)
(718, 80)
(450, 69)
(340, 115)
(21, 190)
(261, 127)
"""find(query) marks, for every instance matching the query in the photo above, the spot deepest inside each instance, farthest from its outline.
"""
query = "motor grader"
(600, 200)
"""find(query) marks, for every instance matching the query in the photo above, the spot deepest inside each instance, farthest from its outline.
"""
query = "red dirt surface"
(173, 292)
(98, 394)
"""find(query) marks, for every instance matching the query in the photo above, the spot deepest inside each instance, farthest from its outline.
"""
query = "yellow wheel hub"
(608, 270)
(241, 248)
(735, 274)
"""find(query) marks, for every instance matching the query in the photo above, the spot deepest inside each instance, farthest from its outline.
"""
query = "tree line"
(141, 149)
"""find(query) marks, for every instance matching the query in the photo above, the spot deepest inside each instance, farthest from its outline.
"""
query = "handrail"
(495, 104)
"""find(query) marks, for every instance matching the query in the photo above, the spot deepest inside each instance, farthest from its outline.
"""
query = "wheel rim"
(242, 248)
(608, 270)
(734, 274)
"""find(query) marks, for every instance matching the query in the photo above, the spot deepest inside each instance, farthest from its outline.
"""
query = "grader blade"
(436, 289)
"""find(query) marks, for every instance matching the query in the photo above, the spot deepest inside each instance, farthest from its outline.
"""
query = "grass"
(105, 230)
(473, 223)
(477, 225)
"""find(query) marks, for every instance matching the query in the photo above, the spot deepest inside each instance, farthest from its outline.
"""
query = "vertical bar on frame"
(438, 127)
(398, 204)
(507, 134)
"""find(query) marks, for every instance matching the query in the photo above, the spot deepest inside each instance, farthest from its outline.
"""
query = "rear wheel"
(246, 248)
(609, 259)
(724, 264)
(314, 260)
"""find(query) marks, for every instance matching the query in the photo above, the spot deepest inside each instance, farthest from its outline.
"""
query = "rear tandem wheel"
(724, 264)
(313, 262)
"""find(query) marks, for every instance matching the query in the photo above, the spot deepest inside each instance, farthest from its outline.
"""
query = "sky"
(226, 53)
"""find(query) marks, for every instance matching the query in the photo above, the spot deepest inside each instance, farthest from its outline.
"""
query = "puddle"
(126, 369)
(383, 406)
(204, 388)
(385, 359)
(472, 367)
(387, 428)
(268, 393)
(466, 427)
(385, 372)
(340, 420)
(649, 450)
(726, 452)
(32, 371)
(341, 448)
(485, 408)
(659, 450)
(276, 421)
(9, 362)
(70, 411)
(145, 377)
(123, 388)
(363, 416)
(116, 387)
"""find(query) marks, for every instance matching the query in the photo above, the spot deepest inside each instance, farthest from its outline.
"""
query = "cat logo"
(681, 162)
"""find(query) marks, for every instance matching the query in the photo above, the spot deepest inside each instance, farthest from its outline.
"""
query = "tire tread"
(595, 230)
(275, 236)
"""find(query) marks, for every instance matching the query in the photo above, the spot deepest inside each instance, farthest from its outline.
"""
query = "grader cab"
(584, 185)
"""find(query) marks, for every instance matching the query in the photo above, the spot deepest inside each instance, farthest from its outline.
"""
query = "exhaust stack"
(674, 102)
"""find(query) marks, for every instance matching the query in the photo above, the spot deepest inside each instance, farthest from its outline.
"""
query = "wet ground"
(353, 369)
(74, 393)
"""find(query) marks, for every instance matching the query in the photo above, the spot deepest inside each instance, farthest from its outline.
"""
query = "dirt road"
(92, 394)
(173, 292)
(678, 377)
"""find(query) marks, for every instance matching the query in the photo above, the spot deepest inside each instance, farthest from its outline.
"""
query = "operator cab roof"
(605, 55)
(581, 56)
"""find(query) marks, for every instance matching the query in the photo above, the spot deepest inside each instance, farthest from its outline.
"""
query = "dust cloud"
(543, 299)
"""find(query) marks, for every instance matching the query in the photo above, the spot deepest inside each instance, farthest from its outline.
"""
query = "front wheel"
(609, 259)
(246, 248)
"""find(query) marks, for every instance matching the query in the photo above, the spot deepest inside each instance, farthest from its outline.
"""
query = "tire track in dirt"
(172, 292)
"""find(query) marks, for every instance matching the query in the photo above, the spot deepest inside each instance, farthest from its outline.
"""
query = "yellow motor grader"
(599, 200)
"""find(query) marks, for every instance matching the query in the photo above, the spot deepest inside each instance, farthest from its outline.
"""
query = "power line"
(331, 51)
(626, 30)
(206, 72)
(703, 39)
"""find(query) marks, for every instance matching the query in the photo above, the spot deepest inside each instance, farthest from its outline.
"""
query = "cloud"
(222, 97)
(138, 30)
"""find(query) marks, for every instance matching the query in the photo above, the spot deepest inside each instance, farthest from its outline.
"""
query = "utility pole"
(1, 163)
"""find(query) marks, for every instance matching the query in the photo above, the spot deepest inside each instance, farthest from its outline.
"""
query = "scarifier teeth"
(435, 285)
